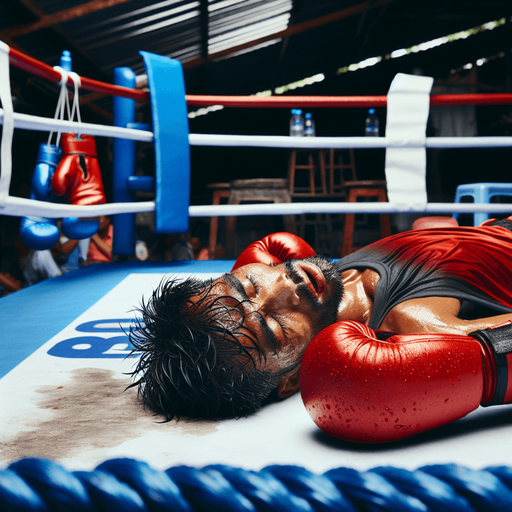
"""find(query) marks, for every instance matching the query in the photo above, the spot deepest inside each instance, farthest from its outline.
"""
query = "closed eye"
(281, 324)
(254, 283)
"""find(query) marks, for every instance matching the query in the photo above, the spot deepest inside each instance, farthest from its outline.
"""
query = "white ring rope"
(400, 139)
(43, 124)
(240, 210)
(18, 207)
(273, 141)
(28, 122)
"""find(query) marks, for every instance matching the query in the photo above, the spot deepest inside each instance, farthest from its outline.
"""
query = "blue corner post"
(123, 166)
(172, 151)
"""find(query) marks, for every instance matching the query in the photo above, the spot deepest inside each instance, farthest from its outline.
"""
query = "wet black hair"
(197, 359)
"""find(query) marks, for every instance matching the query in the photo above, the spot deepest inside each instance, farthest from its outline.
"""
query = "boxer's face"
(285, 305)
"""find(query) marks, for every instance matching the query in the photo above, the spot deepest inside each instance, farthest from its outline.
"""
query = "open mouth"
(312, 280)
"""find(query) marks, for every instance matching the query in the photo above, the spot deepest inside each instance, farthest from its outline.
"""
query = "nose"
(282, 294)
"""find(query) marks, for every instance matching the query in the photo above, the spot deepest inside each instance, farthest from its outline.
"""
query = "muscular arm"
(435, 314)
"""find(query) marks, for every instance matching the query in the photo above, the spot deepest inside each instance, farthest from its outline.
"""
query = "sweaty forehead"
(225, 293)
(229, 294)
(213, 294)
(223, 287)
(219, 286)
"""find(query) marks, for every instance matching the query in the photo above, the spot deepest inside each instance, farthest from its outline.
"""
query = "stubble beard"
(327, 308)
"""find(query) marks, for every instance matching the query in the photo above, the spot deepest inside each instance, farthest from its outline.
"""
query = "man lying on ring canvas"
(220, 348)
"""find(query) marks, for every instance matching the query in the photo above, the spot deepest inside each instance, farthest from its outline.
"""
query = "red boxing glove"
(78, 173)
(273, 249)
(362, 389)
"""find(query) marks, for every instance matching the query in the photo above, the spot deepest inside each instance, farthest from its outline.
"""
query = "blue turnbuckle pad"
(172, 151)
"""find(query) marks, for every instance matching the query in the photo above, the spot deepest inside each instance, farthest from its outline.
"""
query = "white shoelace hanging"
(63, 102)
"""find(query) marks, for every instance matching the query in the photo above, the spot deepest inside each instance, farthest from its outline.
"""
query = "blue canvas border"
(32, 316)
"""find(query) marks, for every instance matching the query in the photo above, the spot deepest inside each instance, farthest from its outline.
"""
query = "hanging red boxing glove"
(362, 389)
(275, 248)
(79, 177)
(78, 174)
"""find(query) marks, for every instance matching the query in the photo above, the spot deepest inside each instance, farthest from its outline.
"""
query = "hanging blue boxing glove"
(41, 233)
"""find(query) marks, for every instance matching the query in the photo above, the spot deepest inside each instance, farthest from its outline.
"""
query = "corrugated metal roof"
(237, 46)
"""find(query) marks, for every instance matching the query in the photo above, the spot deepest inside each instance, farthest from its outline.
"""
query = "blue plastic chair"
(481, 193)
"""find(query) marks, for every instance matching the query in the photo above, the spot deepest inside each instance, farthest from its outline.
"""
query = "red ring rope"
(42, 70)
(23, 61)
(341, 101)
(289, 101)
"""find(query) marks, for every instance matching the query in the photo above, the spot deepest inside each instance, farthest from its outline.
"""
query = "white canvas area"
(77, 412)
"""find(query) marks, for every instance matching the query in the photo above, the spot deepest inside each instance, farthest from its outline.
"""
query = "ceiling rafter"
(72, 46)
(292, 30)
(204, 40)
(362, 20)
(284, 42)
(205, 28)
(35, 9)
(50, 20)
(361, 36)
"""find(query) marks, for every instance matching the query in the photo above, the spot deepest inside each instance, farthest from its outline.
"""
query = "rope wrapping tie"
(129, 485)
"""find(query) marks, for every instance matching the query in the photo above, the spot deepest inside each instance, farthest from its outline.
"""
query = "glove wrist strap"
(498, 341)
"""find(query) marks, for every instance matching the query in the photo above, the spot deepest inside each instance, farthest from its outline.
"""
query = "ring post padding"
(172, 150)
(407, 115)
(124, 166)
(8, 124)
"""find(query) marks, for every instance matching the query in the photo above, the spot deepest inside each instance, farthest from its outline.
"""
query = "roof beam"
(50, 20)
(37, 11)
(284, 42)
(205, 38)
(71, 45)
(295, 29)
(357, 47)
(205, 28)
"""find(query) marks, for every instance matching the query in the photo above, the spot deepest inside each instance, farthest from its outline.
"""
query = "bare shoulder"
(429, 314)
(370, 279)
(365, 278)
(359, 294)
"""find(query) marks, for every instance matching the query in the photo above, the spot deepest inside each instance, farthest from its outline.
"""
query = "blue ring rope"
(133, 486)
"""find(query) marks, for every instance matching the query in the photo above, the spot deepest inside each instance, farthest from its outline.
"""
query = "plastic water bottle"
(141, 250)
(372, 124)
(296, 123)
(65, 61)
(309, 126)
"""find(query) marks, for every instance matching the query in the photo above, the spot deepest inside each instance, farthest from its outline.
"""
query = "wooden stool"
(255, 191)
(294, 165)
(365, 189)
(220, 190)
(341, 160)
